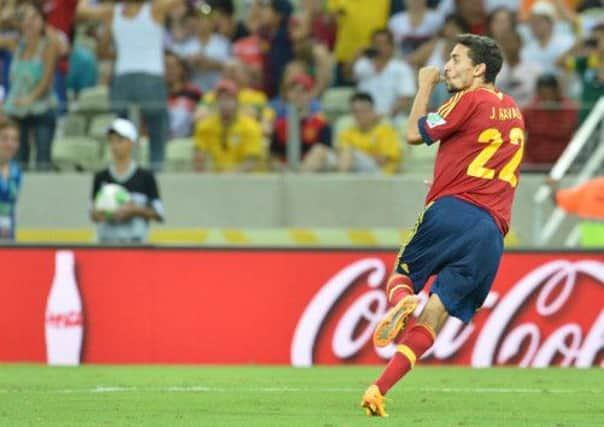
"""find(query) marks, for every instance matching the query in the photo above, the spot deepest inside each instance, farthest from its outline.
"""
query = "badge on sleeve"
(435, 119)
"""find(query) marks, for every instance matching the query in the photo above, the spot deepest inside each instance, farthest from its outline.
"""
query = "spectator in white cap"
(547, 44)
(130, 223)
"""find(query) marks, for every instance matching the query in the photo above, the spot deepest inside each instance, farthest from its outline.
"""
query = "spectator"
(500, 22)
(550, 120)
(310, 58)
(275, 20)
(390, 81)
(474, 13)
(371, 145)
(547, 46)
(183, 97)
(436, 52)
(83, 69)
(130, 224)
(279, 104)
(416, 25)
(586, 59)
(10, 178)
(252, 102)
(226, 24)
(315, 132)
(181, 32)
(518, 76)
(356, 22)
(137, 29)
(212, 51)
(318, 22)
(61, 16)
(230, 140)
(31, 101)
(250, 49)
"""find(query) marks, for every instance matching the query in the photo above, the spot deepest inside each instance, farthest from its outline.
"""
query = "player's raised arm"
(428, 77)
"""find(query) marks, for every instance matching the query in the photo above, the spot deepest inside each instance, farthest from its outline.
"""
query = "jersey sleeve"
(447, 120)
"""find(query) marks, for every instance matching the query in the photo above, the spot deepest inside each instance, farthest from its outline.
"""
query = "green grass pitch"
(33, 395)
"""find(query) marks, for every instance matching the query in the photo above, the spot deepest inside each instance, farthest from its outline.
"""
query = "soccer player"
(459, 235)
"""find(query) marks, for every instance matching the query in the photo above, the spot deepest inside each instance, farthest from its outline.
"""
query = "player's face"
(9, 143)
(460, 72)
(119, 146)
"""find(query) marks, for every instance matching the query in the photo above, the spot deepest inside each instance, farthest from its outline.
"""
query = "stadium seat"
(74, 124)
(341, 124)
(92, 100)
(76, 153)
(179, 154)
(336, 102)
(99, 125)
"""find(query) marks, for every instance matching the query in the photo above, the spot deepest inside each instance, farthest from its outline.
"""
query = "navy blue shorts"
(462, 245)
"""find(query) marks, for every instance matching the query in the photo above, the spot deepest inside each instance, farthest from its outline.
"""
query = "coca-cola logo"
(64, 320)
(518, 327)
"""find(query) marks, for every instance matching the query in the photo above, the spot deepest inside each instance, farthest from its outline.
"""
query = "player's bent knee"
(434, 314)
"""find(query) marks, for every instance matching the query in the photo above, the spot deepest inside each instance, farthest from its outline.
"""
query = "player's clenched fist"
(429, 75)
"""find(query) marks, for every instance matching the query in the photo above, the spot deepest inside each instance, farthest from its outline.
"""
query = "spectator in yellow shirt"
(356, 22)
(230, 140)
(251, 101)
(371, 144)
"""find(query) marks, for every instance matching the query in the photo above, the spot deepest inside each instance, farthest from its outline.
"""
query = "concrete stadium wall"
(261, 201)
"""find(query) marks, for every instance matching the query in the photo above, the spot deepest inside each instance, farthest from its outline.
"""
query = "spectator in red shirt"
(315, 132)
(318, 22)
(550, 121)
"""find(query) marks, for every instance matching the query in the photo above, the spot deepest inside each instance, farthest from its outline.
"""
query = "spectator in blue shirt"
(10, 178)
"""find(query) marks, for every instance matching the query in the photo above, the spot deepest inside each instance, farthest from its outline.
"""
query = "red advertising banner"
(280, 307)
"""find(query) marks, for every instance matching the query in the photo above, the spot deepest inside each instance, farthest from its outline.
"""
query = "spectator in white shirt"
(416, 25)
(547, 45)
(390, 81)
(180, 37)
(518, 77)
(211, 52)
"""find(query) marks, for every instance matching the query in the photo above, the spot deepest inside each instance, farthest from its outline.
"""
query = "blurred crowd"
(233, 80)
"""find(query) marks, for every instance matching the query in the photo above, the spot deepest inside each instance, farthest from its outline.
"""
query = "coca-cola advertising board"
(298, 307)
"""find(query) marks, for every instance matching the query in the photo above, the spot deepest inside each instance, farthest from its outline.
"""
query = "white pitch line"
(205, 389)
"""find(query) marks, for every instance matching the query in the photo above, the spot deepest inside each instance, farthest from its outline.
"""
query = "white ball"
(110, 197)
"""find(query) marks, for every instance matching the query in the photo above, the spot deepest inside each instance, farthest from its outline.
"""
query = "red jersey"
(481, 134)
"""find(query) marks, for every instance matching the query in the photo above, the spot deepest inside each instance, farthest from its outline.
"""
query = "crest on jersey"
(435, 119)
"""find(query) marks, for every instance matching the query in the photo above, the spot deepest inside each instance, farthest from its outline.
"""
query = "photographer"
(586, 58)
(389, 80)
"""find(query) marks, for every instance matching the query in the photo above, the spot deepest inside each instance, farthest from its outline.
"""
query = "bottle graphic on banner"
(64, 320)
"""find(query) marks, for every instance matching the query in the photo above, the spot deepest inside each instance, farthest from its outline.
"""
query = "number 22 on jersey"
(494, 138)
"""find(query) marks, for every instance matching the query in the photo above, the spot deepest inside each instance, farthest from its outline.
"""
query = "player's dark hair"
(383, 32)
(361, 96)
(483, 50)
